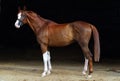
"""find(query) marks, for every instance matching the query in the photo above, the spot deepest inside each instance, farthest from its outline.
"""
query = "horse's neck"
(36, 23)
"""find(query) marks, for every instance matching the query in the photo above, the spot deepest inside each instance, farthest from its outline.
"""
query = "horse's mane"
(46, 20)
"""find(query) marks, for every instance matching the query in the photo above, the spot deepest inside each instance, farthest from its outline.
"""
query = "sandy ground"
(30, 70)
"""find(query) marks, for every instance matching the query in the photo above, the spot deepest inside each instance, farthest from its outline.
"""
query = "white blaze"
(19, 15)
(16, 23)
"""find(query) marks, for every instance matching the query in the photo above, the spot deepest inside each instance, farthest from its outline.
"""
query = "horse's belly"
(61, 38)
(60, 42)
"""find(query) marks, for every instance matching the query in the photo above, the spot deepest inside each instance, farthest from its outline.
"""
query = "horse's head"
(21, 18)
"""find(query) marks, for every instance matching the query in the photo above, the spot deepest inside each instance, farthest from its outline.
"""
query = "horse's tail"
(96, 44)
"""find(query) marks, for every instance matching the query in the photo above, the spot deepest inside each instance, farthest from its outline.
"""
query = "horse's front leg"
(46, 60)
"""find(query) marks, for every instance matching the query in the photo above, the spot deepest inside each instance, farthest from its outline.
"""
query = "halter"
(21, 20)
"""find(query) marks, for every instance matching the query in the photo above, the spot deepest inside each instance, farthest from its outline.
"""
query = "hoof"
(43, 74)
(89, 76)
(84, 72)
(48, 73)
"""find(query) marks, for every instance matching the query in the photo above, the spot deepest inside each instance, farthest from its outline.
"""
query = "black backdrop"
(105, 15)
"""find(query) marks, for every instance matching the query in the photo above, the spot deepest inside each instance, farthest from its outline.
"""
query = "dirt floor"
(30, 70)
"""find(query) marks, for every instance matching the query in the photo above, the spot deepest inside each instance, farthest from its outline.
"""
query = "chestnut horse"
(49, 33)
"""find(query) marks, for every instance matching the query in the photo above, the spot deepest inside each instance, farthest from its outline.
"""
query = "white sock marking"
(85, 66)
(47, 63)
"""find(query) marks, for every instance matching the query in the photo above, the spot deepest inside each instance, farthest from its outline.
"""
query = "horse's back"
(81, 24)
(65, 34)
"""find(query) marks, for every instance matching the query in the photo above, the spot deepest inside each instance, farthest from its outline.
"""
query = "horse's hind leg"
(87, 55)
(85, 66)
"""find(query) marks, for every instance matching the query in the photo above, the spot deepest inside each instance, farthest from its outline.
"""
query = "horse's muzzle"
(18, 23)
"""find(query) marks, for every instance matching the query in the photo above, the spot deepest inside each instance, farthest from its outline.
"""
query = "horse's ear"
(24, 8)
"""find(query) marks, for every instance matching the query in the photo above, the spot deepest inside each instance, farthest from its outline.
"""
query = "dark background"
(21, 43)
